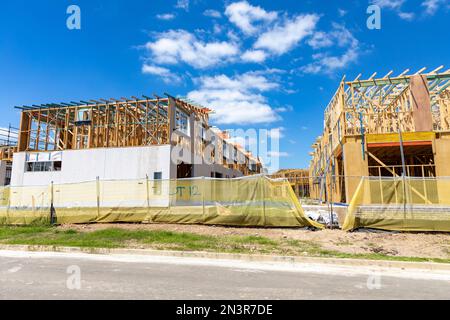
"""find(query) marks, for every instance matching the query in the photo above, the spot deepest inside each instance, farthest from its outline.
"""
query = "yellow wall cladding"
(394, 137)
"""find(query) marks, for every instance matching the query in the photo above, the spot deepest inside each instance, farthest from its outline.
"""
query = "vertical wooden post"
(38, 133)
(47, 131)
(75, 131)
(107, 125)
(124, 125)
(146, 122)
(135, 123)
(66, 129)
(90, 130)
(24, 132)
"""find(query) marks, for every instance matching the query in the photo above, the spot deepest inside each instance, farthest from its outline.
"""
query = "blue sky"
(259, 64)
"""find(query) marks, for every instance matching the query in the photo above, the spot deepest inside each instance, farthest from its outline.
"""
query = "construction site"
(8, 144)
(383, 127)
(191, 152)
(385, 146)
(381, 162)
(298, 179)
(136, 160)
(113, 136)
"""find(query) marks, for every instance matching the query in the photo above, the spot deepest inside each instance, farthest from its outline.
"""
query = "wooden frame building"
(163, 138)
(298, 178)
(8, 142)
(368, 121)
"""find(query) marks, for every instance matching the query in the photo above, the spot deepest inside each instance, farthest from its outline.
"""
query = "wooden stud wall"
(102, 124)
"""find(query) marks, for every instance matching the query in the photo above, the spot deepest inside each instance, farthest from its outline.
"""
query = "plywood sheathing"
(421, 107)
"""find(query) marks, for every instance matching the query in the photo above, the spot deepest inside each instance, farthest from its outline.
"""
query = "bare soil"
(406, 244)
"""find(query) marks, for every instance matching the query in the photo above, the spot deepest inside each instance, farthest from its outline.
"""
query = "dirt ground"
(425, 245)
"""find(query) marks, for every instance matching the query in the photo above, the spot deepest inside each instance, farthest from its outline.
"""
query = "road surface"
(34, 275)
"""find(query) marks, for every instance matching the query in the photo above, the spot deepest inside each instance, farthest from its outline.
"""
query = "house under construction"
(383, 126)
(161, 138)
(298, 179)
(8, 142)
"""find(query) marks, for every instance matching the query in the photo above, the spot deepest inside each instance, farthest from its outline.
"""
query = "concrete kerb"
(345, 262)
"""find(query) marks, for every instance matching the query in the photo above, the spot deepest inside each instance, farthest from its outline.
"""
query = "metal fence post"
(203, 198)
(148, 196)
(264, 197)
(169, 196)
(402, 154)
(52, 209)
(331, 202)
(8, 205)
(98, 195)
(148, 191)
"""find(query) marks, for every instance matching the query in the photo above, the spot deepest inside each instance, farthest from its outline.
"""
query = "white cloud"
(339, 36)
(244, 15)
(165, 16)
(182, 4)
(254, 56)
(320, 40)
(269, 71)
(409, 16)
(166, 75)
(246, 81)
(233, 36)
(324, 62)
(396, 6)
(342, 12)
(314, 67)
(343, 36)
(282, 38)
(390, 4)
(287, 108)
(432, 6)
(217, 28)
(176, 46)
(212, 13)
(236, 100)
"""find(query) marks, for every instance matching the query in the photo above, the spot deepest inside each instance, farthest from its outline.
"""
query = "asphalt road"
(55, 276)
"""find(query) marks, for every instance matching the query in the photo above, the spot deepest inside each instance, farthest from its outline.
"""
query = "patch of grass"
(343, 243)
(6, 232)
(305, 247)
(181, 240)
(169, 240)
(377, 256)
(253, 240)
